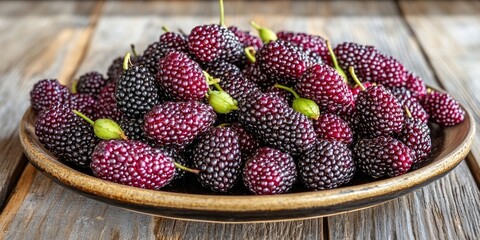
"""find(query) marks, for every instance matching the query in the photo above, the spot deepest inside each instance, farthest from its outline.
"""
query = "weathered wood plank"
(450, 36)
(446, 209)
(48, 205)
(34, 47)
(40, 216)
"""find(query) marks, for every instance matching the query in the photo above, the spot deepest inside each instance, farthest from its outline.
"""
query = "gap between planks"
(69, 69)
(18, 195)
(472, 164)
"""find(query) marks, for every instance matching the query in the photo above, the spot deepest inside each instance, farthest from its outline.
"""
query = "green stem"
(335, 62)
(84, 117)
(409, 114)
(74, 86)
(288, 89)
(195, 171)
(133, 50)
(250, 53)
(126, 60)
(255, 25)
(217, 86)
(224, 125)
(165, 29)
(355, 79)
(222, 14)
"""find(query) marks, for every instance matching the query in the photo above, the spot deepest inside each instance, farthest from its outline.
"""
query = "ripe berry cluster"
(237, 110)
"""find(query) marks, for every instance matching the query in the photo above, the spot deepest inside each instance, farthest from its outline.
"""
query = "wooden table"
(438, 40)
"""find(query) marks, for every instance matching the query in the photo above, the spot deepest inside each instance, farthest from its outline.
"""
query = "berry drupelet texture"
(416, 135)
(311, 44)
(332, 127)
(181, 78)
(66, 135)
(177, 124)
(217, 157)
(213, 43)
(81, 102)
(248, 142)
(132, 163)
(246, 38)
(277, 125)
(326, 87)
(115, 69)
(280, 59)
(136, 92)
(133, 128)
(172, 41)
(416, 86)
(327, 165)
(232, 80)
(269, 171)
(378, 112)
(46, 92)
(106, 106)
(91, 83)
(443, 109)
(382, 157)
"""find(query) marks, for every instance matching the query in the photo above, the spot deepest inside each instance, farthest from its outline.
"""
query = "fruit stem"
(74, 86)
(288, 89)
(224, 124)
(335, 62)
(132, 46)
(182, 32)
(409, 114)
(429, 90)
(222, 14)
(210, 80)
(250, 53)
(165, 29)
(195, 171)
(84, 117)
(217, 86)
(126, 60)
(265, 34)
(255, 25)
(355, 79)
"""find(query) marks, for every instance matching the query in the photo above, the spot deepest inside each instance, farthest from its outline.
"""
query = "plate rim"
(91, 185)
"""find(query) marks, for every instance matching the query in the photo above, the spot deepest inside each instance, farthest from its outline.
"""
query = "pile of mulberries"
(235, 112)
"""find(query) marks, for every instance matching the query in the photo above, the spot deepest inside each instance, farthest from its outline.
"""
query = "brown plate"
(450, 146)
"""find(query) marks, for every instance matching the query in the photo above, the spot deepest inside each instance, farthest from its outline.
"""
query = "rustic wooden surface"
(65, 39)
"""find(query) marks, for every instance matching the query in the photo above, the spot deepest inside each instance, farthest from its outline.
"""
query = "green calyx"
(222, 102)
(335, 62)
(304, 106)
(250, 53)
(355, 79)
(265, 34)
(104, 128)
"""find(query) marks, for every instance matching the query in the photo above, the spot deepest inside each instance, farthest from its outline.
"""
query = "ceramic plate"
(450, 146)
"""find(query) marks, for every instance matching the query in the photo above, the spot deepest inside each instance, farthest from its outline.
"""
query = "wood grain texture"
(446, 209)
(37, 48)
(450, 37)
